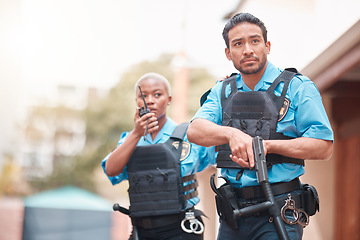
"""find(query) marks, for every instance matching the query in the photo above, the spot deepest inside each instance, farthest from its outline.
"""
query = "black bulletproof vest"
(155, 183)
(255, 113)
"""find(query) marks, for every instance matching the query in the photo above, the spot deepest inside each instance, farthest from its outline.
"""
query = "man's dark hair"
(240, 18)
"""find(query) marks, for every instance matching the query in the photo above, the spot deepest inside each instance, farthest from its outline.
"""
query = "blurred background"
(67, 72)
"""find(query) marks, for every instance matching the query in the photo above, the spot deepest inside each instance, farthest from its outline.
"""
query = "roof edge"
(339, 47)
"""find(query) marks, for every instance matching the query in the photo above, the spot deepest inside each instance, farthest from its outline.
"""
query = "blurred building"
(10, 78)
(53, 130)
(50, 129)
(61, 214)
(336, 72)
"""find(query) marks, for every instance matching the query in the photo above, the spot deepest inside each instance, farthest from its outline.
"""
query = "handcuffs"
(194, 223)
(300, 216)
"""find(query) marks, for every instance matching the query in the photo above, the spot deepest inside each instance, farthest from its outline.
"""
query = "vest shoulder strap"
(204, 96)
(232, 81)
(179, 132)
(286, 76)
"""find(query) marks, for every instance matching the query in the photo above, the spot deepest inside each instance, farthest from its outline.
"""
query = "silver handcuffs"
(194, 223)
(300, 216)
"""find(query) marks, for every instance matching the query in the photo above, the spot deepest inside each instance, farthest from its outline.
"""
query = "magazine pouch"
(310, 199)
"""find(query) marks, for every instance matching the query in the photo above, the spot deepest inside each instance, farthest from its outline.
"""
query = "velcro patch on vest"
(284, 109)
(185, 149)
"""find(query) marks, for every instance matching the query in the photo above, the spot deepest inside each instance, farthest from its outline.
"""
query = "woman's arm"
(121, 155)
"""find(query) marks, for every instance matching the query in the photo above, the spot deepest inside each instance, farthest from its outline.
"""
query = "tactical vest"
(155, 183)
(257, 114)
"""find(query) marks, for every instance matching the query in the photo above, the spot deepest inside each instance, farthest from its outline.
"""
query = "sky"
(85, 42)
(92, 42)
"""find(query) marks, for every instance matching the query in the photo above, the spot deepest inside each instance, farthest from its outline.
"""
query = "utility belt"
(157, 221)
(249, 193)
(190, 221)
(302, 199)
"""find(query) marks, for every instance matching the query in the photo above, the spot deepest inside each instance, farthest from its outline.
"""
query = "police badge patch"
(185, 149)
(284, 109)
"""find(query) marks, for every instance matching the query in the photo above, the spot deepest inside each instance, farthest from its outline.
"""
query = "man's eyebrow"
(236, 39)
(255, 36)
(252, 36)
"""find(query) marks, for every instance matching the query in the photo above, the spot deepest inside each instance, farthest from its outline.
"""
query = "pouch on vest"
(310, 199)
(255, 113)
(155, 183)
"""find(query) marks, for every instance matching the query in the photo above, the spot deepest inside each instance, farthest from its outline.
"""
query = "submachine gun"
(270, 203)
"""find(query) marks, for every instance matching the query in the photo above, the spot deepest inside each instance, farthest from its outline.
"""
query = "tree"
(106, 118)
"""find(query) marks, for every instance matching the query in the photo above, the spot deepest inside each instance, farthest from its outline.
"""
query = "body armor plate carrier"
(255, 113)
(155, 183)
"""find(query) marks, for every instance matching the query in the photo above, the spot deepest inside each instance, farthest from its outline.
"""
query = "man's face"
(247, 49)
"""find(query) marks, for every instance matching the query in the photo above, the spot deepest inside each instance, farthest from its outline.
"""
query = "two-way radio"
(142, 111)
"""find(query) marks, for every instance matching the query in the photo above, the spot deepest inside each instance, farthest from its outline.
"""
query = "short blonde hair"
(154, 76)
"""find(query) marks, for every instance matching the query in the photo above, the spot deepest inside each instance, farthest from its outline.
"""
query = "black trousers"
(169, 232)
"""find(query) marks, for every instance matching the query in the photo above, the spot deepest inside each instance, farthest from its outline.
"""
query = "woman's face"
(156, 96)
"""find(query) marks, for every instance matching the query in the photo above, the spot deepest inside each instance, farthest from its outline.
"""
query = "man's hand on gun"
(241, 145)
(270, 204)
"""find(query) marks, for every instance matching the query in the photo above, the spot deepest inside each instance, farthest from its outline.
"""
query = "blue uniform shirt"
(198, 159)
(306, 117)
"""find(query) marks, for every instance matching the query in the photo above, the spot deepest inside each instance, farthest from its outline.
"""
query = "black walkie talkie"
(142, 111)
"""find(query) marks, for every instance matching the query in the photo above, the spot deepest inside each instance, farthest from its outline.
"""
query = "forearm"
(206, 133)
(121, 155)
(118, 159)
(302, 148)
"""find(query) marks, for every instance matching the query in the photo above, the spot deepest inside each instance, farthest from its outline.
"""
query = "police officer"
(160, 165)
(283, 107)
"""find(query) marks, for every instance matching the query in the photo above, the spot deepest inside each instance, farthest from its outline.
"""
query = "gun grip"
(260, 159)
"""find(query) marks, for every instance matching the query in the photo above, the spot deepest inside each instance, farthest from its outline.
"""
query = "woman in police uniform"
(159, 209)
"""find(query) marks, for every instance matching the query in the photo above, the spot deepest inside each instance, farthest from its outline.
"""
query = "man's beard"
(252, 71)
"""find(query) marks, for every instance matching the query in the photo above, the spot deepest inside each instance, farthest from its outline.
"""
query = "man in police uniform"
(285, 111)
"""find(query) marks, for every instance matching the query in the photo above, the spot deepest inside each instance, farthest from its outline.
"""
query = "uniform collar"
(165, 132)
(271, 72)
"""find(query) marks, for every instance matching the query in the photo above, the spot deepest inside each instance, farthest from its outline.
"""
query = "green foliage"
(200, 82)
(114, 114)
(11, 178)
(106, 118)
